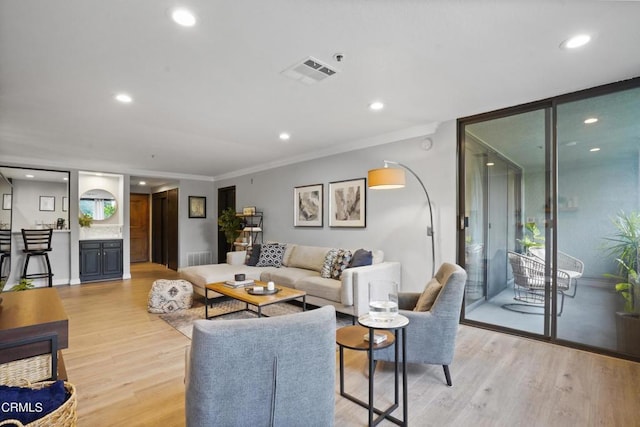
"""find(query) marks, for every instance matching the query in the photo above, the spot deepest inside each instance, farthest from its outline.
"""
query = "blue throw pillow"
(361, 258)
(27, 405)
(255, 255)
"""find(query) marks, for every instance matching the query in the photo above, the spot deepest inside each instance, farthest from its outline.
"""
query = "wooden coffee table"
(258, 301)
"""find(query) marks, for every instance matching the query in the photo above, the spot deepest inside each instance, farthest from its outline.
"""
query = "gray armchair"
(275, 371)
(431, 335)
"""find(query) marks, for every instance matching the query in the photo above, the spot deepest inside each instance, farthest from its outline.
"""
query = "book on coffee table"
(238, 283)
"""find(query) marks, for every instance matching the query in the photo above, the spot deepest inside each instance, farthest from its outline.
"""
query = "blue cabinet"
(100, 260)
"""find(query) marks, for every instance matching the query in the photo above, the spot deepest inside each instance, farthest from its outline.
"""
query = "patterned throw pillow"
(271, 255)
(328, 263)
(340, 263)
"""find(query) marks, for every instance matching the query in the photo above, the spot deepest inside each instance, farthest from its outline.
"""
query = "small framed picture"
(197, 207)
(65, 203)
(6, 202)
(249, 210)
(47, 203)
(347, 203)
(307, 206)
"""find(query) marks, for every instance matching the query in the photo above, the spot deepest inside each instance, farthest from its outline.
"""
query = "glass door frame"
(550, 106)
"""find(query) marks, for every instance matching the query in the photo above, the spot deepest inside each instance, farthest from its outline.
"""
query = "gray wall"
(197, 234)
(396, 219)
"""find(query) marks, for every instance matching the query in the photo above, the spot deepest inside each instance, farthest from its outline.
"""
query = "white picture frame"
(348, 203)
(308, 209)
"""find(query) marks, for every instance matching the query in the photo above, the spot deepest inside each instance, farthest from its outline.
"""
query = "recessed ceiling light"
(284, 136)
(571, 143)
(490, 164)
(125, 98)
(65, 179)
(29, 176)
(376, 106)
(576, 41)
(142, 183)
(594, 149)
(183, 17)
(590, 120)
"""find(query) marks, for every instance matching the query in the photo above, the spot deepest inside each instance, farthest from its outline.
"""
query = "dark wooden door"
(139, 227)
(158, 225)
(226, 198)
(172, 229)
(164, 228)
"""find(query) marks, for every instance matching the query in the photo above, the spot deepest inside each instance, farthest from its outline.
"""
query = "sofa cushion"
(341, 263)
(271, 255)
(289, 276)
(320, 287)
(287, 253)
(428, 296)
(309, 257)
(255, 255)
(328, 263)
(361, 258)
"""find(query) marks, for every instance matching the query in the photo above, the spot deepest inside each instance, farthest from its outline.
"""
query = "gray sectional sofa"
(301, 268)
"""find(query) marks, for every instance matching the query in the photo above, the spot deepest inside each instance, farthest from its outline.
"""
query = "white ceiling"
(209, 101)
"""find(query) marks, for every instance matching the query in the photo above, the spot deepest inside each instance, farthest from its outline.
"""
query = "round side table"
(353, 337)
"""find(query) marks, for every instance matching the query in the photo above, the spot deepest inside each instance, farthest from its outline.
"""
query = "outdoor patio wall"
(396, 219)
(599, 190)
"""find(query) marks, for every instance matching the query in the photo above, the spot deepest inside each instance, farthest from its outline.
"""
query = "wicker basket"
(64, 416)
(32, 369)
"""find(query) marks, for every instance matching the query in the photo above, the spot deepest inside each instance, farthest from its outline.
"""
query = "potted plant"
(230, 223)
(85, 220)
(23, 285)
(623, 245)
(532, 237)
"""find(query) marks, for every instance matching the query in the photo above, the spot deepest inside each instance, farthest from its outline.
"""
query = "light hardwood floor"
(128, 367)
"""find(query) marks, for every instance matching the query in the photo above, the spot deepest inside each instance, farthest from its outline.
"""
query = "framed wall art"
(6, 202)
(47, 203)
(197, 207)
(65, 204)
(249, 210)
(347, 203)
(308, 205)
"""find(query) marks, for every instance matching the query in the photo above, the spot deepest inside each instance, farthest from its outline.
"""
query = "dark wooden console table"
(30, 314)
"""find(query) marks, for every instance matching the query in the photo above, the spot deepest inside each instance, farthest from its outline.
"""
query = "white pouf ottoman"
(167, 296)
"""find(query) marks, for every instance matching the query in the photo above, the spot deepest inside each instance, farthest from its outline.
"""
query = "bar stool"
(37, 243)
(5, 252)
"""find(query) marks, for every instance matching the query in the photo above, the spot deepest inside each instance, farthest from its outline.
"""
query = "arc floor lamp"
(387, 178)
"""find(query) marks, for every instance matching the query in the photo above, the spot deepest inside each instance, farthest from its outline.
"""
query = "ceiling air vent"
(309, 71)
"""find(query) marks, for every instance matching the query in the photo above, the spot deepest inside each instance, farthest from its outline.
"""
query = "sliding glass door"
(550, 219)
(497, 153)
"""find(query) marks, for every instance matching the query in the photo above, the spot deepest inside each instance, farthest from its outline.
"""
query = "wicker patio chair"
(529, 282)
(570, 265)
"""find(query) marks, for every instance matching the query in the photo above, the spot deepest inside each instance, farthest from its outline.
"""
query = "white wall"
(26, 203)
(396, 219)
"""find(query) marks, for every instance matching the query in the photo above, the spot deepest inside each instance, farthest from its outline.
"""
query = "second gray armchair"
(431, 335)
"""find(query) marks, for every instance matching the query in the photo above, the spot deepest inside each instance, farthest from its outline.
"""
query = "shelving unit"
(252, 231)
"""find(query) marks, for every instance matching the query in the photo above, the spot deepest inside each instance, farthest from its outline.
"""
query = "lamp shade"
(386, 178)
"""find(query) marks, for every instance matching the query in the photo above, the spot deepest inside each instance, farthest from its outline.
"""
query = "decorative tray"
(265, 291)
